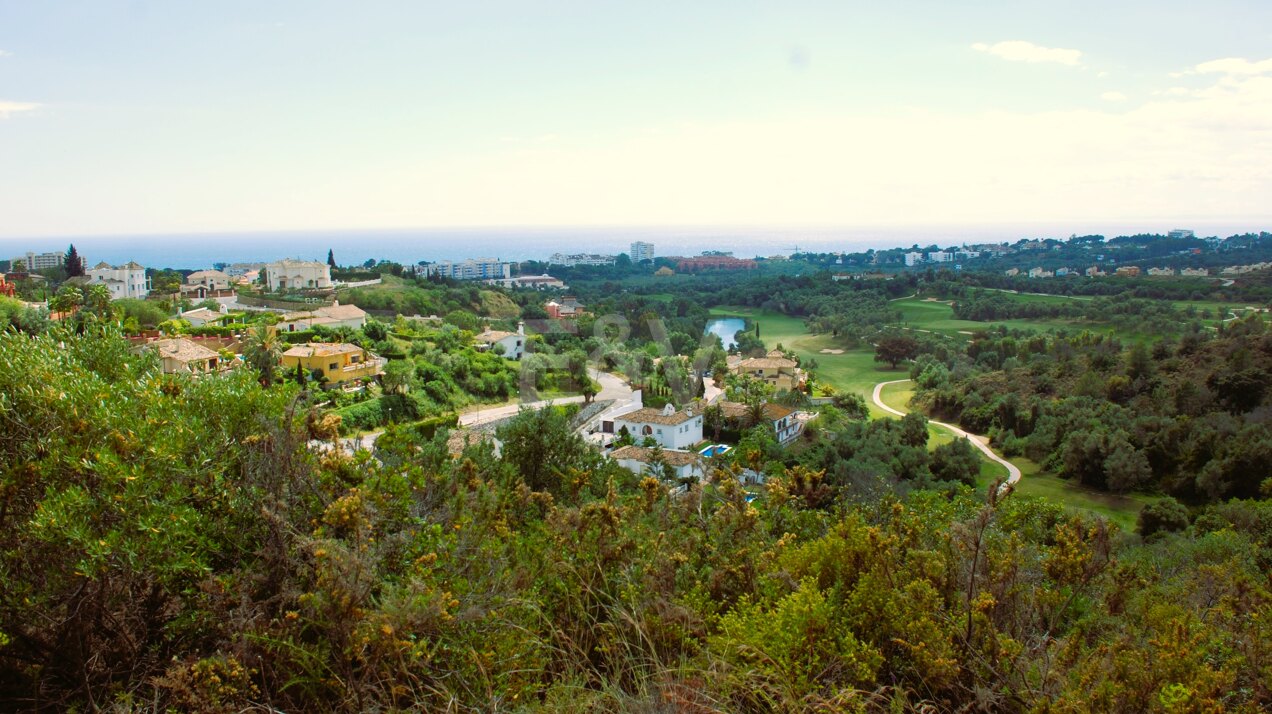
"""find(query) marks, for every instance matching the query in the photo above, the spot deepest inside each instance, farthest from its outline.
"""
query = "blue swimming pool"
(715, 450)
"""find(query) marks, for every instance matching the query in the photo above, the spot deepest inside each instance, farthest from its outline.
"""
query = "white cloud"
(1102, 75)
(1021, 51)
(1113, 97)
(7, 108)
(1234, 65)
(5, 54)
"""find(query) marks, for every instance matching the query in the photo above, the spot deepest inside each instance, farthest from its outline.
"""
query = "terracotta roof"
(322, 349)
(766, 363)
(290, 263)
(645, 456)
(203, 313)
(342, 312)
(181, 349)
(215, 274)
(649, 415)
(493, 336)
(737, 410)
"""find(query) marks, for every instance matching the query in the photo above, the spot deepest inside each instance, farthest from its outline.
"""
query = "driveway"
(980, 442)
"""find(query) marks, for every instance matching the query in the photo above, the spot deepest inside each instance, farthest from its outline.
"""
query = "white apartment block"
(940, 256)
(123, 281)
(470, 269)
(39, 261)
(570, 261)
(912, 259)
(642, 251)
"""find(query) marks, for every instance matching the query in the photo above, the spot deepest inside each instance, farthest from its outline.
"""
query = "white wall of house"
(297, 275)
(691, 470)
(125, 281)
(678, 436)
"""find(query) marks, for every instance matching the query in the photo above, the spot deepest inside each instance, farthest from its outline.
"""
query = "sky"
(183, 116)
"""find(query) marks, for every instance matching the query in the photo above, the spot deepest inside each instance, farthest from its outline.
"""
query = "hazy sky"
(120, 117)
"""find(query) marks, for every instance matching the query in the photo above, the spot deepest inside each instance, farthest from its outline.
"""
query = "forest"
(189, 544)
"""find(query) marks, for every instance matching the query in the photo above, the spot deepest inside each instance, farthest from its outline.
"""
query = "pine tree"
(73, 262)
(331, 258)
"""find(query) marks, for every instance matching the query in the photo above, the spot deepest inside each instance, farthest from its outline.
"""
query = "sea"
(195, 251)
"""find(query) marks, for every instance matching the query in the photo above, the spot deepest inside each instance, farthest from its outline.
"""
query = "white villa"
(670, 428)
(513, 343)
(123, 281)
(288, 274)
(337, 315)
(640, 461)
(210, 279)
(199, 317)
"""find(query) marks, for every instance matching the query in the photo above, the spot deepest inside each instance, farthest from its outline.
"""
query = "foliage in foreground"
(173, 543)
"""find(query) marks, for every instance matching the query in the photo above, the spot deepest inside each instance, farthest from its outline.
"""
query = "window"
(333, 366)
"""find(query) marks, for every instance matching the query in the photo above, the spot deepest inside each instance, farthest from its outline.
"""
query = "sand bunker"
(832, 352)
(966, 332)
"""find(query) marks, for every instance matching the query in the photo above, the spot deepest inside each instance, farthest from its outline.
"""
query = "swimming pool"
(715, 450)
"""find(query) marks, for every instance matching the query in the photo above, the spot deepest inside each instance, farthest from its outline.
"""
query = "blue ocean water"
(200, 250)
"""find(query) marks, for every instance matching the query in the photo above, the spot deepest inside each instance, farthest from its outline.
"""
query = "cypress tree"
(73, 263)
(331, 258)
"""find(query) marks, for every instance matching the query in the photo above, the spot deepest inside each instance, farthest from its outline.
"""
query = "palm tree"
(97, 299)
(263, 351)
(68, 298)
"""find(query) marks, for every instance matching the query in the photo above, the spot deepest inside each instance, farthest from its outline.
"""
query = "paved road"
(611, 388)
(1013, 473)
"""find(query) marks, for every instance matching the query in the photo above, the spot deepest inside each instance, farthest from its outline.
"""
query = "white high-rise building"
(39, 261)
(642, 251)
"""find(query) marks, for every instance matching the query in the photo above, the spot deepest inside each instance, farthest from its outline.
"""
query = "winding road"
(980, 442)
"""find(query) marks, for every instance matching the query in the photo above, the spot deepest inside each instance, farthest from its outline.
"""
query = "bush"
(1164, 516)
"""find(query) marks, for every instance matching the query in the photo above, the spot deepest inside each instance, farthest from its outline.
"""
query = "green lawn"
(856, 371)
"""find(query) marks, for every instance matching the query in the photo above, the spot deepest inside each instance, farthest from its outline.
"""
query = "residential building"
(1128, 271)
(1011, 272)
(1181, 233)
(684, 465)
(289, 274)
(783, 420)
(470, 269)
(1194, 272)
(39, 261)
(567, 308)
(575, 259)
(123, 281)
(1062, 272)
(513, 343)
(912, 259)
(671, 429)
(183, 356)
(1040, 273)
(202, 316)
(642, 251)
(940, 256)
(535, 282)
(1095, 272)
(332, 317)
(781, 373)
(1161, 272)
(714, 262)
(338, 362)
(210, 279)
(235, 270)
